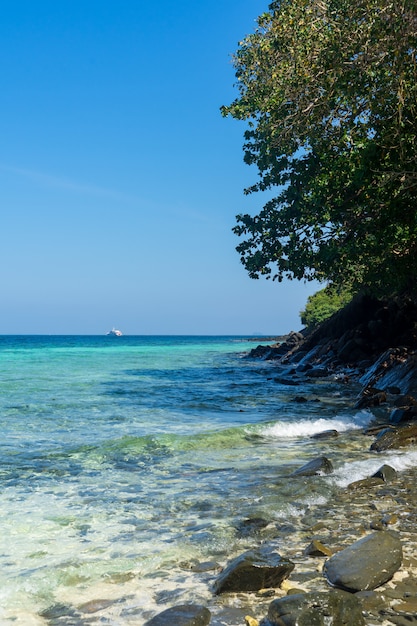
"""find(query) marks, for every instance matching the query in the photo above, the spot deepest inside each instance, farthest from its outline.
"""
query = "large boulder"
(334, 608)
(253, 570)
(182, 615)
(366, 564)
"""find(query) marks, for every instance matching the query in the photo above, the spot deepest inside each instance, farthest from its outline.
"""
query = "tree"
(328, 90)
(321, 305)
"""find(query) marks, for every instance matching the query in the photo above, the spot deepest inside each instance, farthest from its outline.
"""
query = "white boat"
(115, 333)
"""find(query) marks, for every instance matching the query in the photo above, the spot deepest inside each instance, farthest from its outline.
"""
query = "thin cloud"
(58, 182)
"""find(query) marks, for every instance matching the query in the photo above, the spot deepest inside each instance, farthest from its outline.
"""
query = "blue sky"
(119, 179)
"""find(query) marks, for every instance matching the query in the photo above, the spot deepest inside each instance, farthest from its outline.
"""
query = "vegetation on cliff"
(328, 91)
(321, 305)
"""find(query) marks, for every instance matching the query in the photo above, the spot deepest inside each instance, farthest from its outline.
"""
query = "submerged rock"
(93, 606)
(251, 526)
(321, 465)
(289, 382)
(253, 570)
(325, 434)
(318, 372)
(366, 564)
(334, 608)
(182, 615)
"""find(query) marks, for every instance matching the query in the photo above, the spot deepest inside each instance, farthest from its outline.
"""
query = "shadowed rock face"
(336, 608)
(253, 570)
(366, 564)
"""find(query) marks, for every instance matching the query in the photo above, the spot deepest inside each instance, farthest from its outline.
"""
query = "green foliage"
(328, 91)
(323, 304)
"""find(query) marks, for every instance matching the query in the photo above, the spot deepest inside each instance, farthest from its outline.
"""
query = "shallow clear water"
(123, 461)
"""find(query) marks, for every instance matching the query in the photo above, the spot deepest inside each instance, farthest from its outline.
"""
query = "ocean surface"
(127, 462)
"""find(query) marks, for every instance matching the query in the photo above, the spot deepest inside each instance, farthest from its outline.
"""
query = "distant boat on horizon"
(114, 332)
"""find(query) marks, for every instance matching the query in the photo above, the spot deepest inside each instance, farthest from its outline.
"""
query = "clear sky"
(119, 179)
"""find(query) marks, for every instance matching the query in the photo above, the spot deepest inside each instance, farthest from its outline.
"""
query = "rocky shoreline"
(359, 560)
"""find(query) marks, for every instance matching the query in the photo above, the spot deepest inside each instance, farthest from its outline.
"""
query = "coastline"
(147, 512)
(382, 380)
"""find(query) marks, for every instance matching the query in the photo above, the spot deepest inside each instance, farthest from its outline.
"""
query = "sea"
(130, 465)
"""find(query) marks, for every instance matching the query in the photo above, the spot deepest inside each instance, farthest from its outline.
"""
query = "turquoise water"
(126, 461)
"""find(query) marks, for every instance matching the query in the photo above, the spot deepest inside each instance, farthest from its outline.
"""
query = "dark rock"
(405, 401)
(287, 381)
(294, 338)
(335, 608)
(371, 399)
(371, 599)
(299, 399)
(396, 438)
(394, 390)
(366, 564)
(304, 367)
(389, 518)
(251, 526)
(404, 619)
(316, 548)
(376, 524)
(403, 414)
(261, 352)
(365, 483)
(325, 434)
(182, 615)
(321, 465)
(351, 352)
(397, 416)
(386, 472)
(58, 611)
(376, 429)
(318, 372)
(398, 369)
(253, 570)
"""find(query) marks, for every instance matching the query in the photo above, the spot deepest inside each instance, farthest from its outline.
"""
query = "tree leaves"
(328, 90)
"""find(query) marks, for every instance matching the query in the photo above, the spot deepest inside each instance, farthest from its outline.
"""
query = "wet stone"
(376, 524)
(251, 526)
(400, 437)
(253, 570)
(58, 611)
(405, 619)
(365, 564)
(321, 465)
(365, 483)
(326, 434)
(333, 608)
(182, 615)
(386, 473)
(371, 600)
(316, 548)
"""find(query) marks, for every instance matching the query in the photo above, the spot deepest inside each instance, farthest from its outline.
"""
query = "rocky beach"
(352, 559)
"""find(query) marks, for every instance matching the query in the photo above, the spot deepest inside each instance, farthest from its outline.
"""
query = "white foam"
(357, 470)
(306, 428)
